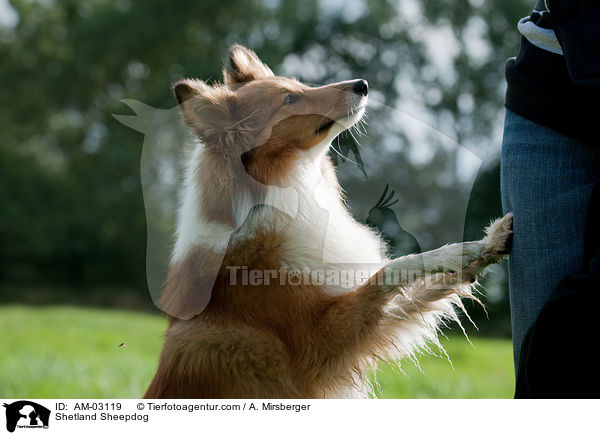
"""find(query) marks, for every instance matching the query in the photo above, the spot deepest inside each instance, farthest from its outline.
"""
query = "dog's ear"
(245, 66)
(187, 88)
(207, 110)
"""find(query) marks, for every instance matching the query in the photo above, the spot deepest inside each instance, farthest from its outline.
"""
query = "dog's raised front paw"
(498, 239)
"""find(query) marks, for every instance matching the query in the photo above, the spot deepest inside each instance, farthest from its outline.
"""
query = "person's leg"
(546, 180)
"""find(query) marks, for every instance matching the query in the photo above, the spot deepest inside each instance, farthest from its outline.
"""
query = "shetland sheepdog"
(256, 307)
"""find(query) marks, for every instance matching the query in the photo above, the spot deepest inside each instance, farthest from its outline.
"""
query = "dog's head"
(264, 123)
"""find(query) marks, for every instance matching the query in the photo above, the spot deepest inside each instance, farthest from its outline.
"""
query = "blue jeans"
(546, 180)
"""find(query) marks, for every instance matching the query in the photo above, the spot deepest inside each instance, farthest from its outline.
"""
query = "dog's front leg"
(358, 322)
(466, 260)
(441, 277)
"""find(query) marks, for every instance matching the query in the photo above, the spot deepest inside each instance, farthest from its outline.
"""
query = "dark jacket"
(561, 92)
(558, 357)
(577, 27)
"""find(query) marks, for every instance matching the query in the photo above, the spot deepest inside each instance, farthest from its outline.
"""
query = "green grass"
(68, 352)
(481, 371)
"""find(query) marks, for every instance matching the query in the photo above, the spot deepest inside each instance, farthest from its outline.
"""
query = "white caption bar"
(298, 416)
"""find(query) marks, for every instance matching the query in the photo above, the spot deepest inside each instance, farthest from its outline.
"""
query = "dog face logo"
(26, 414)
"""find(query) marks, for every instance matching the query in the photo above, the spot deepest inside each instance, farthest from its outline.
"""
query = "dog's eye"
(291, 99)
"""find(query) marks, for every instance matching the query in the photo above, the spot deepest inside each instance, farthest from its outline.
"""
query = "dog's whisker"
(342, 156)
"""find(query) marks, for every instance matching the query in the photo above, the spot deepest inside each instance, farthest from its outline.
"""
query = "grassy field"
(67, 352)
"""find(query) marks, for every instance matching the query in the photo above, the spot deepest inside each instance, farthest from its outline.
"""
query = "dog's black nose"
(361, 87)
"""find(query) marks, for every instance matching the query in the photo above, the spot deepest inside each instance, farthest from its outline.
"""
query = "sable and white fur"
(289, 341)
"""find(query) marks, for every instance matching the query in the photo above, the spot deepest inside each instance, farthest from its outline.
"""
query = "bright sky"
(8, 16)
